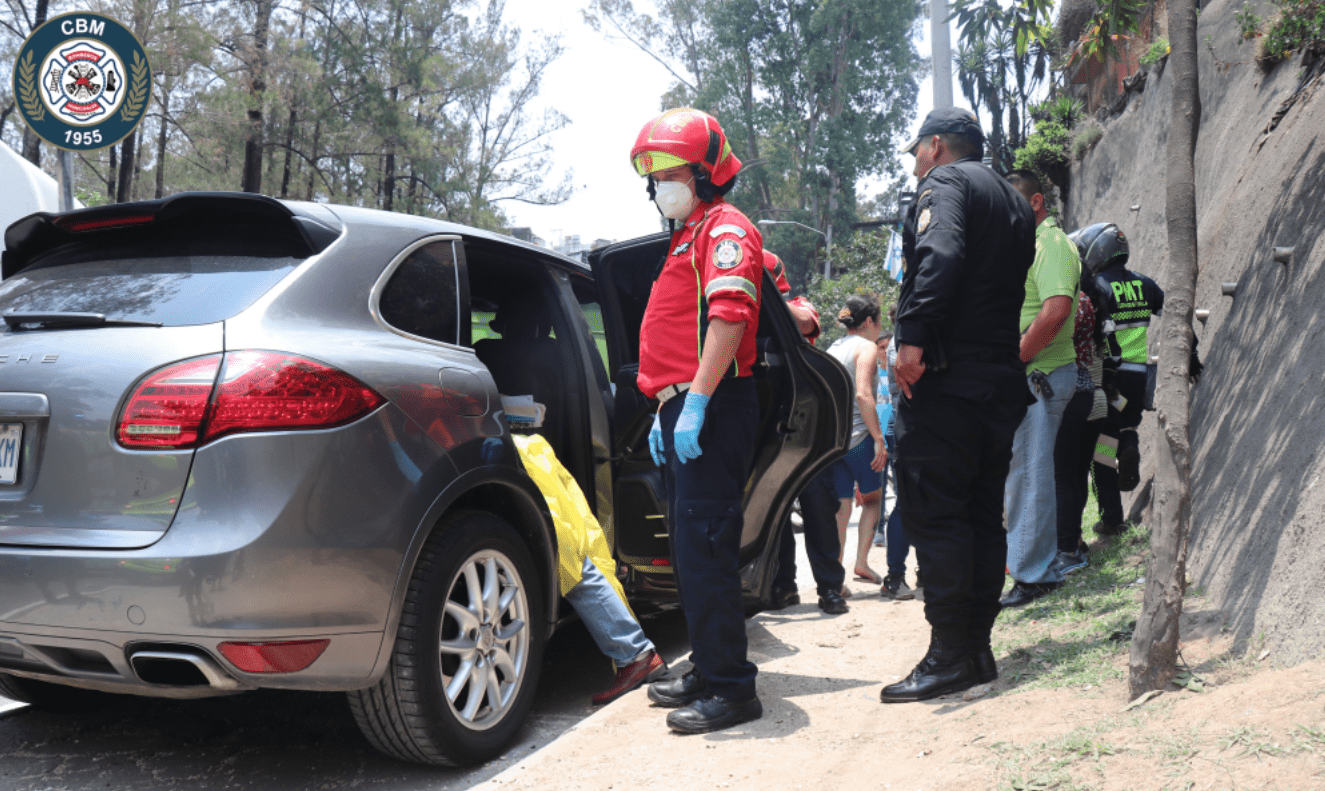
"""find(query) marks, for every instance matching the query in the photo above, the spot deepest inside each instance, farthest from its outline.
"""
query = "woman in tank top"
(863, 466)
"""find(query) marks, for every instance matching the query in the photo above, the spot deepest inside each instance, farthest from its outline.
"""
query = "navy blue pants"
(704, 526)
(819, 516)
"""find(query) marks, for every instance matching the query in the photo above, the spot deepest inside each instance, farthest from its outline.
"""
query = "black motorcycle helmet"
(1101, 246)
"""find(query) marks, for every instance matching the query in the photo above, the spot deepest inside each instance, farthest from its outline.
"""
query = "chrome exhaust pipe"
(181, 668)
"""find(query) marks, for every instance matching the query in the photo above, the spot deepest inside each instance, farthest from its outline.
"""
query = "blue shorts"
(853, 472)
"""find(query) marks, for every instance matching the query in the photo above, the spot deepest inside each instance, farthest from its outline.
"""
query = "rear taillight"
(168, 408)
(268, 391)
(184, 406)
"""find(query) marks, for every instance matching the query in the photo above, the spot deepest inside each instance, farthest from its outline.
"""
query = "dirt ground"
(1252, 727)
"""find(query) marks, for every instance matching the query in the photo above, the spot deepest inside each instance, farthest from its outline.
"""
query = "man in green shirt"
(1047, 323)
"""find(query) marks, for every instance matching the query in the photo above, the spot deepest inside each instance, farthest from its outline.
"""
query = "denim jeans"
(607, 618)
(1031, 494)
(891, 524)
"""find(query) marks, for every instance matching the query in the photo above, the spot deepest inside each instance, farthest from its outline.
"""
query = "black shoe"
(986, 668)
(938, 673)
(1026, 592)
(714, 713)
(782, 598)
(894, 587)
(1069, 562)
(676, 692)
(1103, 528)
(833, 603)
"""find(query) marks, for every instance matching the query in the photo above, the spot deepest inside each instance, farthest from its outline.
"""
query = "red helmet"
(774, 264)
(685, 136)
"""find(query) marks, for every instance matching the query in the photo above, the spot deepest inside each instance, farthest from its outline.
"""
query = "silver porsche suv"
(246, 443)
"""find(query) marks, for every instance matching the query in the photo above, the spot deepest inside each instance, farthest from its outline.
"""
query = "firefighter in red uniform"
(697, 348)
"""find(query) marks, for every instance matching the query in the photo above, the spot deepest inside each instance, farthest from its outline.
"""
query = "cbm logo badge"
(82, 81)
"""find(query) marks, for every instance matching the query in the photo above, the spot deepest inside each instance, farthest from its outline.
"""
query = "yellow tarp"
(578, 533)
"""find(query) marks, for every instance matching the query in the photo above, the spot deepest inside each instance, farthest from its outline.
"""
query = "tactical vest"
(1128, 300)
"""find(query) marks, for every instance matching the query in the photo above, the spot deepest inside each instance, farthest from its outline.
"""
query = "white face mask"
(675, 199)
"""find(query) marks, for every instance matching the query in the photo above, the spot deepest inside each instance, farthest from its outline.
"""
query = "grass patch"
(1072, 637)
(1084, 139)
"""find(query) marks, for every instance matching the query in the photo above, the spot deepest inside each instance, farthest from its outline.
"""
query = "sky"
(609, 90)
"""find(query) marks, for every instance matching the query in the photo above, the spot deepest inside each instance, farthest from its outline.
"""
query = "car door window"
(422, 296)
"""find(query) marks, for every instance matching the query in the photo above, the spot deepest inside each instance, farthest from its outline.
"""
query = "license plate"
(11, 447)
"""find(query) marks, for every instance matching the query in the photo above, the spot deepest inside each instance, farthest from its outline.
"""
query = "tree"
(812, 95)
(1003, 56)
(862, 258)
(1154, 650)
(25, 19)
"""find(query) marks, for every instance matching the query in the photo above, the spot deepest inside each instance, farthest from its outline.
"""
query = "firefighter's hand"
(685, 437)
(656, 442)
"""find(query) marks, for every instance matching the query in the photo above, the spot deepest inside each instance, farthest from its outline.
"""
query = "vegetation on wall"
(1300, 26)
(1047, 149)
(1084, 139)
(1159, 50)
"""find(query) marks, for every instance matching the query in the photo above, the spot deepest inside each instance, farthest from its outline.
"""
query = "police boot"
(1129, 460)
(676, 692)
(946, 669)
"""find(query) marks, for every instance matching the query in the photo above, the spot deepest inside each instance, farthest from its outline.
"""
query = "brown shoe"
(632, 675)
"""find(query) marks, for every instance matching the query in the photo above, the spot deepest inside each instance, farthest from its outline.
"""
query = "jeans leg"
(898, 546)
(1069, 480)
(609, 621)
(1031, 496)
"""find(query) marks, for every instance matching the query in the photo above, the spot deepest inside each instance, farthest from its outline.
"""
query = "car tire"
(453, 657)
(46, 696)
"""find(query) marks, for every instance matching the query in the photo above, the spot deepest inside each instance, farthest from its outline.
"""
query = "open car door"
(805, 422)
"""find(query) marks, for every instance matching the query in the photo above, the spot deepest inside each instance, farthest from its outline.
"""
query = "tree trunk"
(161, 140)
(113, 174)
(289, 147)
(1155, 641)
(312, 158)
(32, 143)
(31, 147)
(252, 177)
(127, 158)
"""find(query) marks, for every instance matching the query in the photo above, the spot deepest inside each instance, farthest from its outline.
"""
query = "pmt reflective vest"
(1128, 300)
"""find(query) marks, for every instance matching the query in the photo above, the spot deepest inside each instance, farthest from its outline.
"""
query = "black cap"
(948, 121)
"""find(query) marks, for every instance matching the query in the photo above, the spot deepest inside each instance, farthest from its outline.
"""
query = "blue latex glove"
(685, 437)
(656, 442)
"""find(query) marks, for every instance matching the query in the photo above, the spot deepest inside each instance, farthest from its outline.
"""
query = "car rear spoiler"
(30, 237)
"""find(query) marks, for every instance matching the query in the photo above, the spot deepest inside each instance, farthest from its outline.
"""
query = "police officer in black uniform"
(968, 241)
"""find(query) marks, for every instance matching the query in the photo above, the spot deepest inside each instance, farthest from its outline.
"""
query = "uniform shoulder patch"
(727, 228)
(727, 254)
(922, 222)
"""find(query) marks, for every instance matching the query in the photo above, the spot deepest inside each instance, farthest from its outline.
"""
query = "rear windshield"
(167, 280)
(172, 291)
